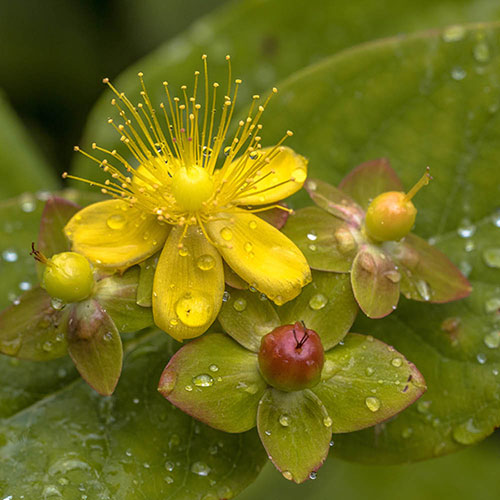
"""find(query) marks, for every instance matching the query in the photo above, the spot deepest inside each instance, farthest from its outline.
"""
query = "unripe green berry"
(291, 357)
(390, 216)
(68, 277)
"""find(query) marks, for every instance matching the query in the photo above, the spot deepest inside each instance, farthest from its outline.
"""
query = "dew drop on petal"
(240, 304)
(194, 309)
(318, 301)
(248, 247)
(252, 224)
(205, 262)
(372, 403)
(116, 221)
(203, 380)
(183, 252)
(226, 234)
(299, 175)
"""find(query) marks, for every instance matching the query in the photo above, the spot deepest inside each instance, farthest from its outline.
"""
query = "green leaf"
(325, 240)
(369, 179)
(427, 273)
(247, 317)
(32, 329)
(56, 213)
(216, 381)
(21, 165)
(146, 277)
(375, 282)
(117, 295)
(95, 346)
(132, 444)
(365, 382)
(326, 306)
(295, 429)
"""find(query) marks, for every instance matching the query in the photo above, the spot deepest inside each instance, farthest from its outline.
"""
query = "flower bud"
(68, 277)
(291, 357)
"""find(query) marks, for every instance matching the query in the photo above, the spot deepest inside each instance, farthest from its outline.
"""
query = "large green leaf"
(429, 99)
(22, 166)
(128, 446)
(268, 40)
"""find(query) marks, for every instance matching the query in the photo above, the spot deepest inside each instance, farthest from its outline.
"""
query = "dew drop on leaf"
(453, 34)
(318, 301)
(240, 304)
(284, 420)
(288, 475)
(481, 52)
(372, 403)
(203, 380)
(481, 358)
(492, 339)
(491, 257)
(327, 422)
(200, 469)
(397, 362)
(213, 368)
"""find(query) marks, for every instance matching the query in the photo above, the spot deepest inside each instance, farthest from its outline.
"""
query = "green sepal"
(144, 296)
(32, 329)
(375, 282)
(117, 295)
(370, 179)
(327, 242)
(296, 430)
(216, 381)
(334, 201)
(365, 381)
(426, 273)
(247, 317)
(326, 305)
(95, 346)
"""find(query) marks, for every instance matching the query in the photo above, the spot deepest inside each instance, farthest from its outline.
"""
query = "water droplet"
(25, 286)
(183, 251)
(248, 246)
(469, 246)
(253, 155)
(288, 475)
(9, 255)
(10, 346)
(205, 262)
(51, 491)
(252, 224)
(458, 73)
(194, 309)
(240, 304)
(367, 262)
(369, 371)
(65, 465)
(481, 358)
(397, 362)
(47, 346)
(423, 289)
(372, 403)
(313, 475)
(327, 422)
(299, 175)
(213, 368)
(188, 388)
(203, 380)
(407, 432)
(467, 433)
(200, 469)
(56, 304)
(107, 336)
(454, 33)
(27, 202)
(466, 229)
(423, 406)
(226, 234)
(481, 52)
(116, 221)
(492, 305)
(312, 236)
(491, 257)
(495, 218)
(492, 339)
(227, 150)
(207, 152)
(318, 301)
(313, 248)
(393, 276)
(169, 479)
(284, 420)
(225, 296)
(345, 240)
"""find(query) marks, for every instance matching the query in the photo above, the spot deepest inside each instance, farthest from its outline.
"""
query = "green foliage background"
(54, 57)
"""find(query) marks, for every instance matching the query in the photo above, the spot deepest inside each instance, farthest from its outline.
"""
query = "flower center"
(191, 187)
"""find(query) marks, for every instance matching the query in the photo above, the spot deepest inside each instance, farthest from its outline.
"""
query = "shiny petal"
(114, 235)
(369, 180)
(426, 273)
(188, 284)
(375, 282)
(261, 255)
(283, 176)
(335, 201)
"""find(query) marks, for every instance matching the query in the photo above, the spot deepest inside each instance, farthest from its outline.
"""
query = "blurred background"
(53, 56)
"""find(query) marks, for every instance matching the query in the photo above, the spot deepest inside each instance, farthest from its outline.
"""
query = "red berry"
(291, 357)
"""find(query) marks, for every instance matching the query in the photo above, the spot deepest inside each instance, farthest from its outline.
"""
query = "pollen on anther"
(76, 148)
(64, 175)
(105, 80)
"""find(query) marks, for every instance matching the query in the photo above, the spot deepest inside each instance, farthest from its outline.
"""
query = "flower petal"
(215, 380)
(295, 429)
(426, 273)
(113, 234)
(365, 381)
(335, 201)
(375, 282)
(328, 243)
(283, 176)
(369, 180)
(188, 284)
(260, 254)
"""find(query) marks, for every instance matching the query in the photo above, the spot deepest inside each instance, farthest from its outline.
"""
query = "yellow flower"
(194, 193)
